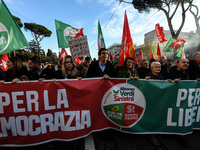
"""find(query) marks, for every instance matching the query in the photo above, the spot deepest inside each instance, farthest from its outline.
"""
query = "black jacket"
(10, 76)
(194, 70)
(174, 74)
(47, 73)
(95, 71)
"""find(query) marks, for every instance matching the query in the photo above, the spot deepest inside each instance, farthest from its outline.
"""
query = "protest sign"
(79, 46)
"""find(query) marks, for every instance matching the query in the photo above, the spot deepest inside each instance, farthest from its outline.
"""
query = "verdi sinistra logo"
(124, 105)
(4, 37)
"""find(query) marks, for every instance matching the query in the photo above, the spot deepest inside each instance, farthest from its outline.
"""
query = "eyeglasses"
(67, 62)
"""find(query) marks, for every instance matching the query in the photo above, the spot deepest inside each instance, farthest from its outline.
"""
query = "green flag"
(167, 48)
(101, 43)
(179, 53)
(11, 36)
(65, 32)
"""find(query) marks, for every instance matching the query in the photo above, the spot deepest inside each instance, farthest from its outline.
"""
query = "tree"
(164, 5)
(18, 20)
(38, 32)
(33, 47)
(147, 47)
(196, 17)
(49, 53)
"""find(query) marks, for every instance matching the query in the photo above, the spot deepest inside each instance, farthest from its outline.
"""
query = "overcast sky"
(86, 13)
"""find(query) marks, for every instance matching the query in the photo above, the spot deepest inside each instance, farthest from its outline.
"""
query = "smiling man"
(181, 72)
(102, 67)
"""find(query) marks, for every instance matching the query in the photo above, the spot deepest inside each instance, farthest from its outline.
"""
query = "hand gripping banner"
(38, 112)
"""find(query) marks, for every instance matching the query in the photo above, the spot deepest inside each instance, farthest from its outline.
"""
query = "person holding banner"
(68, 70)
(155, 72)
(128, 70)
(164, 66)
(16, 70)
(144, 69)
(102, 67)
(194, 67)
(180, 72)
(37, 72)
(83, 67)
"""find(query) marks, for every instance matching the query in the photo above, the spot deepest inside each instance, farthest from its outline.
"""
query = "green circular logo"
(4, 38)
(124, 105)
(69, 33)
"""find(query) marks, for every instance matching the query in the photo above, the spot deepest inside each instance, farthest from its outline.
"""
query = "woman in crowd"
(68, 69)
(155, 71)
(128, 70)
(16, 70)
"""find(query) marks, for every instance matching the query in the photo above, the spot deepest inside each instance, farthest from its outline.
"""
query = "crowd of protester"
(182, 69)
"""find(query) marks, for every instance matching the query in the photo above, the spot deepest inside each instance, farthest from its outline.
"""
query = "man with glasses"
(102, 67)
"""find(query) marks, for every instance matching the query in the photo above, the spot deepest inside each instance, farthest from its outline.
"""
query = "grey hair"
(155, 63)
(196, 54)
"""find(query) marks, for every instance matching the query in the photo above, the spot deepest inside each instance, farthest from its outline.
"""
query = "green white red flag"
(181, 52)
(177, 44)
(101, 43)
(167, 48)
(127, 46)
(66, 32)
(11, 36)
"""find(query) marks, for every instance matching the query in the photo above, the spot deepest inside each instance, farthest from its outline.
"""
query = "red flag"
(160, 33)
(136, 61)
(80, 33)
(158, 52)
(77, 61)
(127, 46)
(3, 62)
(111, 57)
(151, 56)
(62, 54)
(177, 44)
(141, 56)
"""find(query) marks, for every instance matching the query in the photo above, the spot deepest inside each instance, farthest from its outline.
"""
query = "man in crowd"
(144, 69)
(102, 67)
(83, 67)
(37, 72)
(181, 72)
(194, 67)
(164, 66)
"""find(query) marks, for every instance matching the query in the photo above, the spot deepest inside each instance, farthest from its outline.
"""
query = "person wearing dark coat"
(37, 72)
(68, 69)
(180, 72)
(155, 72)
(164, 66)
(194, 67)
(144, 69)
(16, 70)
(102, 67)
(2, 74)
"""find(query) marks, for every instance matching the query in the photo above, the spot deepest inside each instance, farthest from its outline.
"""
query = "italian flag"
(101, 43)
